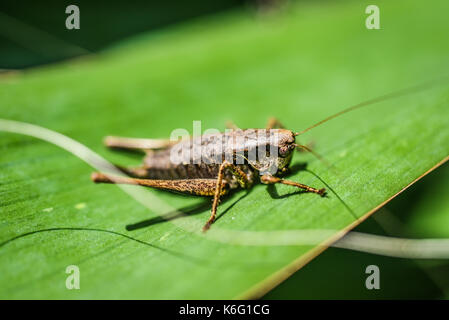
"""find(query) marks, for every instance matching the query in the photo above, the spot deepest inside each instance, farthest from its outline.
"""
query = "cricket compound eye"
(284, 151)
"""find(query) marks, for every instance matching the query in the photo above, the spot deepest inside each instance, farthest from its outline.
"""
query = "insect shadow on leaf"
(334, 192)
(271, 188)
(302, 166)
(199, 208)
(186, 211)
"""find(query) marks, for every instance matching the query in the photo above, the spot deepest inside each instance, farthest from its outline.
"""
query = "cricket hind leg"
(198, 187)
(231, 125)
(137, 143)
(274, 123)
(269, 179)
(242, 179)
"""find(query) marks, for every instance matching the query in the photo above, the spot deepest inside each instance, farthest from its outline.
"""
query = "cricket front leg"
(269, 179)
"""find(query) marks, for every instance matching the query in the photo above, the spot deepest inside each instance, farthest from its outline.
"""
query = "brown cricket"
(216, 170)
(217, 173)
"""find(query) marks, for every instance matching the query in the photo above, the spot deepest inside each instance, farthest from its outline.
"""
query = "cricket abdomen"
(182, 171)
(197, 187)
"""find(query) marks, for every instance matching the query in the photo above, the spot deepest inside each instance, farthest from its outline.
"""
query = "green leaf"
(418, 213)
(300, 65)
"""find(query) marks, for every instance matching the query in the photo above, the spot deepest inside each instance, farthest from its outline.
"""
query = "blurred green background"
(422, 211)
(31, 35)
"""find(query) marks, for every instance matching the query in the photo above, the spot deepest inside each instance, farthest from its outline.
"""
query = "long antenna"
(387, 96)
(314, 153)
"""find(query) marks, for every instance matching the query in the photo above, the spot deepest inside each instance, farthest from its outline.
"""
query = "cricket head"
(274, 151)
(285, 141)
(286, 147)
